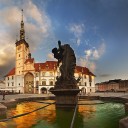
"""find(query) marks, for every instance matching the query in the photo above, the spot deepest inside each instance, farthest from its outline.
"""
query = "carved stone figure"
(65, 55)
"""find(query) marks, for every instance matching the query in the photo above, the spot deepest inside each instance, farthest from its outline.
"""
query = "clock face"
(19, 47)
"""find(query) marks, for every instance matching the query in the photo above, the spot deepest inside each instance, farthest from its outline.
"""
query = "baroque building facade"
(116, 85)
(30, 77)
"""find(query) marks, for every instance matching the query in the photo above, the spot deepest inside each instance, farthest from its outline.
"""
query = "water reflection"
(48, 114)
(88, 116)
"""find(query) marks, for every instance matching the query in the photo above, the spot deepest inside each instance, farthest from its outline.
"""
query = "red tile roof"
(50, 65)
(12, 72)
(29, 60)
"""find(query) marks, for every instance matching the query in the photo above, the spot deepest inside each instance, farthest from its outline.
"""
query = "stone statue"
(65, 55)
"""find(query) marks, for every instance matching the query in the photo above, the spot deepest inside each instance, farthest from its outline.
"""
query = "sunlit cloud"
(50, 56)
(77, 30)
(91, 56)
(37, 28)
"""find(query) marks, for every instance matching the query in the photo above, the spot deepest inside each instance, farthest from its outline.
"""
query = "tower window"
(8, 78)
(19, 72)
(90, 83)
(85, 84)
(8, 84)
(19, 55)
(12, 77)
(19, 84)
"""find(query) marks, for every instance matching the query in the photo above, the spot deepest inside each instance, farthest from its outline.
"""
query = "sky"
(97, 30)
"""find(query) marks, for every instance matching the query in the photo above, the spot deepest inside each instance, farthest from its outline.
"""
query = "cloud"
(37, 28)
(105, 75)
(91, 56)
(77, 30)
(51, 57)
(95, 54)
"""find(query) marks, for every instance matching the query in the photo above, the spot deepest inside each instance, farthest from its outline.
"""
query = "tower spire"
(22, 31)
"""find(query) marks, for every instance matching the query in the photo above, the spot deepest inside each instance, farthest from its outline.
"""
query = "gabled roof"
(29, 60)
(12, 72)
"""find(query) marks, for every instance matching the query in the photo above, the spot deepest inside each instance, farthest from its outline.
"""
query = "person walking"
(3, 95)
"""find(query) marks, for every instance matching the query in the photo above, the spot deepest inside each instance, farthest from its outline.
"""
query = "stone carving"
(66, 57)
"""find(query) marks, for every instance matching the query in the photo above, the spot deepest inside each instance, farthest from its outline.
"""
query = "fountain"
(65, 89)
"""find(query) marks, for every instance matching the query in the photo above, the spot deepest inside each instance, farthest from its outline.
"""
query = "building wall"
(2, 85)
(113, 85)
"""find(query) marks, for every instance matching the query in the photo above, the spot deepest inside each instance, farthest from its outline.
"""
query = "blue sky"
(97, 30)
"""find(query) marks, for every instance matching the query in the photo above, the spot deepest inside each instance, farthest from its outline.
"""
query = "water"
(89, 116)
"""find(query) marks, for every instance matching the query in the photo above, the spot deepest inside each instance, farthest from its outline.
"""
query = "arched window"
(43, 82)
(51, 82)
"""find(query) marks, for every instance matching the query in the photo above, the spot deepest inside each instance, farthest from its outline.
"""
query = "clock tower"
(22, 50)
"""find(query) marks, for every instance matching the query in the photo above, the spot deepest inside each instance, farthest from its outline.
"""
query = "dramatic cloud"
(77, 30)
(91, 56)
(37, 29)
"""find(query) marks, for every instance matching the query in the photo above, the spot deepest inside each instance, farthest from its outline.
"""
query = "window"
(90, 83)
(19, 72)
(19, 84)
(90, 90)
(79, 74)
(43, 82)
(36, 74)
(43, 73)
(8, 78)
(51, 82)
(51, 73)
(12, 77)
(12, 83)
(19, 55)
(90, 79)
(8, 84)
(85, 76)
(85, 84)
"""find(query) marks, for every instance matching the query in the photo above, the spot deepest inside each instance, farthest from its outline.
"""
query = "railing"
(4, 120)
(73, 118)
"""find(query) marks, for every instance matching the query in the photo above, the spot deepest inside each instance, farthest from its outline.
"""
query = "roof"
(48, 65)
(83, 70)
(31, 60)
(22, 41)
(51, 65)
(12, 72)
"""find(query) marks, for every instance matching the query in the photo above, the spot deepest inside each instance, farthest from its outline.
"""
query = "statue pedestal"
(66, 97)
